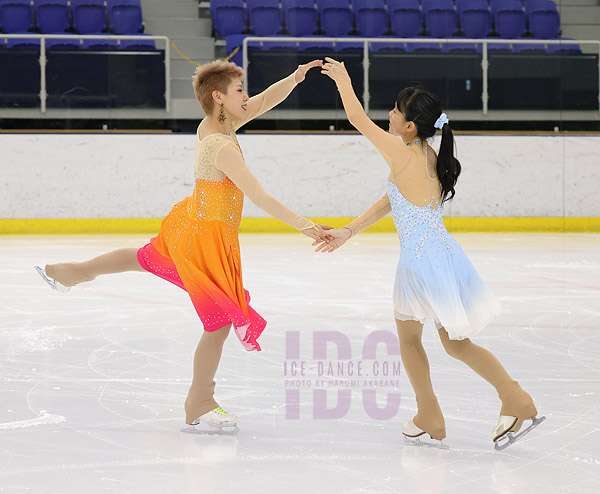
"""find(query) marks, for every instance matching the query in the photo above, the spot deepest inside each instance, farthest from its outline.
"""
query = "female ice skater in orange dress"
(197, 248)
(435, 281)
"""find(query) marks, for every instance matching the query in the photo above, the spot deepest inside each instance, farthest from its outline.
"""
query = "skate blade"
(55, 285)
(425, 443)
(510, 438)
(211, 431)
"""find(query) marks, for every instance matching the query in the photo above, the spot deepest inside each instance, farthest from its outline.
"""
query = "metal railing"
(484, 61)
(43, 59)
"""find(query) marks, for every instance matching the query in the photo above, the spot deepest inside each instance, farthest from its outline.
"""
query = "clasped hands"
(327, 238)
(332, 68)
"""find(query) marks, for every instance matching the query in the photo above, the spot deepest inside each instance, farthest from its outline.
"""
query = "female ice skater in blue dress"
(435, 281)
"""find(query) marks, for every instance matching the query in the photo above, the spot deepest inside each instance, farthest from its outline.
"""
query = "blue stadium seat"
(125, 16)
(313, 45)
(564, 48)
(284, 44)
(232, 42)
(423, 47)
(500, 48)
(427, 5)
(138, 44)
(371, 17)
(264, 17)
(475, 18)
(70, 43)
(440, 17)
(300, 17)
(229, 17)
(23, 44)
(406, 18)
(100, 44)
(496, 4)
(460, 5)
(531, 5)
(462, 48)
(52, 16)
(89, 16)
(235, 40)
(543, 17)
(388, 46)
(16, 16)
(350, 45)
(336, 17)
(528, 48)
(510, 19)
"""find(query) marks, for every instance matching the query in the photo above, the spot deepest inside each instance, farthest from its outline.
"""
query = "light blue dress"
(435, 281)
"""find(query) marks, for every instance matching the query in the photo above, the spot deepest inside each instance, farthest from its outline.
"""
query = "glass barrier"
(91, 71)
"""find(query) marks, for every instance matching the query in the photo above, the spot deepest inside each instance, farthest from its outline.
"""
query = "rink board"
(123, 183)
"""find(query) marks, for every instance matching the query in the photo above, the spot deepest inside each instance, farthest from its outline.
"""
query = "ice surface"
(92, 382)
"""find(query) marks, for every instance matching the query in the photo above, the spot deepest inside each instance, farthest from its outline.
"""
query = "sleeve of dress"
(370, 216)
(229, 160)
(270, 97)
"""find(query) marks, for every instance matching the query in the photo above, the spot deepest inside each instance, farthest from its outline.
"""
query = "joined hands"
(336, 237)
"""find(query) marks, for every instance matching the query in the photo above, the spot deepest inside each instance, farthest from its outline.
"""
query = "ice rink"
(92, 382)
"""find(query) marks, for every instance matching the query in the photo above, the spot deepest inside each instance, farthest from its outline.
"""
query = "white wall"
(142, 176)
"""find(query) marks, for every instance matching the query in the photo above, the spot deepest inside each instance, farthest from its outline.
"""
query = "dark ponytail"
(448, 167)
(424, 108)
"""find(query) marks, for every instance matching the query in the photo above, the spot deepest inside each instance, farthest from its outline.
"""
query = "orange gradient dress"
(197, 248)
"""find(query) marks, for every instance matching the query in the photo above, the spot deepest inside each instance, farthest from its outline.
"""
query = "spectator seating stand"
(72, 18)
(507, 19)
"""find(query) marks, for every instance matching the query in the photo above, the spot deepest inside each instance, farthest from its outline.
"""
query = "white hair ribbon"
(441, 121)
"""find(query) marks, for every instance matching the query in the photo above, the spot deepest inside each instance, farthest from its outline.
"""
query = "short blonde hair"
(214, 76)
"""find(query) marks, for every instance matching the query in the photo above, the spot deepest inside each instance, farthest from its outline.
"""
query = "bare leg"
(200, 398)
(116, 261)
(429, 416)
(515, 401)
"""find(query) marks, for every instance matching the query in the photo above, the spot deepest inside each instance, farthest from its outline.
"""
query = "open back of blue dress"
(435, 281)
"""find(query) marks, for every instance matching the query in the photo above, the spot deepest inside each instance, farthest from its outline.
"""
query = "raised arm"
(229, 160)
(364, 221)
(387, 144)
(275, 93)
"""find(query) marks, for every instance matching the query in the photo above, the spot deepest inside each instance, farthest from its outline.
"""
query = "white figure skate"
(55, 285)
(507, 430)
(217, 421)
(418, 437)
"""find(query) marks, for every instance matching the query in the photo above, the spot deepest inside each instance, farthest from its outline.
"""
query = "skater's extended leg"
(429, 417)
(515, 401)
(517, 405)
(200, 398)
(116, 261)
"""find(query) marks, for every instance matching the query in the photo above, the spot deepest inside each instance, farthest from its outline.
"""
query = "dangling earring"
(222, 116)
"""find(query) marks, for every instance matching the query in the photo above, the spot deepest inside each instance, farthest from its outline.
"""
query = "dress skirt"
(203, 258)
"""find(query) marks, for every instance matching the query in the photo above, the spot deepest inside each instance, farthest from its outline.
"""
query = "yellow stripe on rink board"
(74, 226)
(530, 225)
(151, 226)
(457, 225)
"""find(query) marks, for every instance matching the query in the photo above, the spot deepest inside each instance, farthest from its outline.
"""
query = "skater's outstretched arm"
(276, 93)
(387, 144)
(364, 221)
(229, 161)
